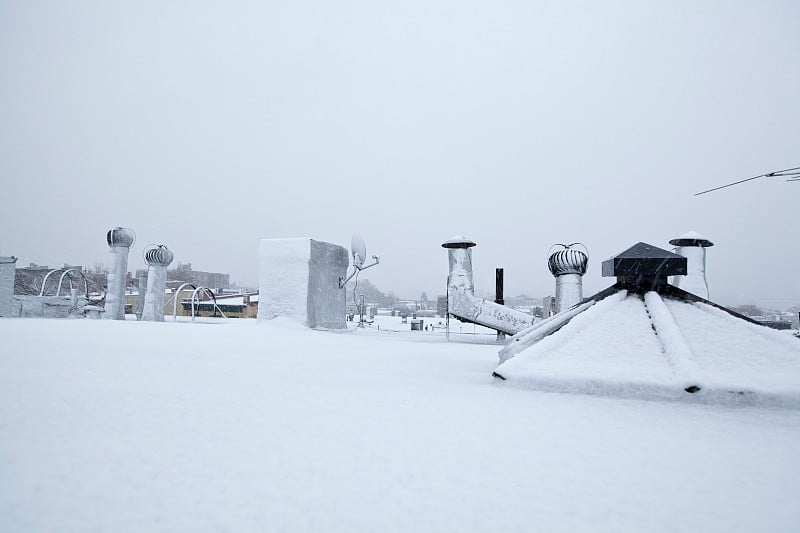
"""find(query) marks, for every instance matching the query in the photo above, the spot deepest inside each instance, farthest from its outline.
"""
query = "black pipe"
(498, 286)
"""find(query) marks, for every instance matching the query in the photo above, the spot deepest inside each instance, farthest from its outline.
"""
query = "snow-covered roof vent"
(158, 255)
(644, 267)
(120, 237)
(568, 260)
(458, 241)
(692, 246)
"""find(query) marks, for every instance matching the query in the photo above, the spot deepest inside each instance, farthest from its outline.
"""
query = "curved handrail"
(67, 271)
(44, 282)
(213, 297)
(175, 300)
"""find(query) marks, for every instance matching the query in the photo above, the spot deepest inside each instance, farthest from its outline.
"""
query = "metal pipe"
(498, 296)
(692, 246)
(140, 295)
(46, 277)
(175, 300)
(61, 280)
(119, 242)
(461, 300)
(158, 259)
(568, 265)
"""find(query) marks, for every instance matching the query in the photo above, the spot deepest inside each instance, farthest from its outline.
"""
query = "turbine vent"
(120, 237)
(568, 264)
(568, 261)
(158, 256)
(119, 242)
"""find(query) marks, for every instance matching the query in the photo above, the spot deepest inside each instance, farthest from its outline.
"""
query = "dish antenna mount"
(359, 252)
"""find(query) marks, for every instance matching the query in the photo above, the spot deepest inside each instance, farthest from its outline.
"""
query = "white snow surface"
(283, 278)
(693, 235)
(655, 348)
(268, 426)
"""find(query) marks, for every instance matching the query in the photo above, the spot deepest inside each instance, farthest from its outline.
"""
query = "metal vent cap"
(458, 241)
(568, 260)
(120, 237)
(158, 255)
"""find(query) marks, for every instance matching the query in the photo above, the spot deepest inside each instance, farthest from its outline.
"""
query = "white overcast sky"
(209, 126)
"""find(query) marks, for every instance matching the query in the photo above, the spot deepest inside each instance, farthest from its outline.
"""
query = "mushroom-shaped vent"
(568, 260)
(158, 255)
(459, 241)
(691, 238)
(120, 237)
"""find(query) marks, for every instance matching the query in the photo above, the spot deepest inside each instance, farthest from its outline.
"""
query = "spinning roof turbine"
(158, 259)
(568, 265)
(119, 241)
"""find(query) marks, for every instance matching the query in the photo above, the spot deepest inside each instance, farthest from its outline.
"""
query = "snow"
(299, 278)
(246, 425)
(656, 348)
(530, 336)
(283, 278)
(744, 356)
(692, 235)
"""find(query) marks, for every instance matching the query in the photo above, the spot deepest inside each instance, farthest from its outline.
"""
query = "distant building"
(212, 280)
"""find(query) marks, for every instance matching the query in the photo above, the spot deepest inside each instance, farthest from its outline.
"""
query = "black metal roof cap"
(644, 267)
(685, 241)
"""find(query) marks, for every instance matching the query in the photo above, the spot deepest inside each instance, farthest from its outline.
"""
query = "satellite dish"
(359, 250)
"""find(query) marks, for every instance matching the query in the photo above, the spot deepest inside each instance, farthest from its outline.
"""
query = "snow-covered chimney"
(692, 246)
(158, 259)
(119, 241)
(568, 265)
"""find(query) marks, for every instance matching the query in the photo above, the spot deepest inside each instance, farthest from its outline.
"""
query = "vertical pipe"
(498, 286)
(569, 291)
(692, 246)
(119, 243)
(695, 279)
(157, 259)
(140, 297)
(498, 295)
(568, 265)
(115, 297)
(154, 297)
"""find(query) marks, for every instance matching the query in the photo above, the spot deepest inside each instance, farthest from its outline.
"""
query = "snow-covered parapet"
(299, 278)
(8, 267)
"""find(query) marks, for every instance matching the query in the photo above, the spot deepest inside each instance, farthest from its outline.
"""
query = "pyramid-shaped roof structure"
(655, 341)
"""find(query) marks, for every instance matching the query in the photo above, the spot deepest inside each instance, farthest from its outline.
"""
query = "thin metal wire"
(767, 175)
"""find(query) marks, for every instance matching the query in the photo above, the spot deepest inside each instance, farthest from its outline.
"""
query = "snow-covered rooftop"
(243, 426)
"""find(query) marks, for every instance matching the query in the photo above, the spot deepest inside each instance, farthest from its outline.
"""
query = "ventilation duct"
(158, 258)
(568, 265)
(692, 246)
(461, 300)
(119, 241)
